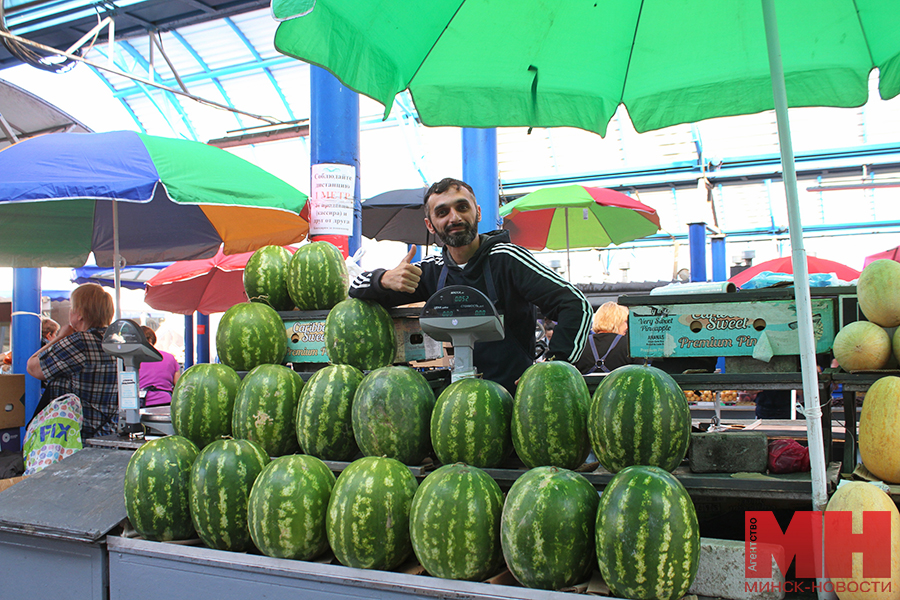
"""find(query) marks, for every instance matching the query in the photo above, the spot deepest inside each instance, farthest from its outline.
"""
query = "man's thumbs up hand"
(405, 276)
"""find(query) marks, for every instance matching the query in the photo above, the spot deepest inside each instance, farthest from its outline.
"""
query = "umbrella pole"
(116, 259)
(813, 411)
(568, 260)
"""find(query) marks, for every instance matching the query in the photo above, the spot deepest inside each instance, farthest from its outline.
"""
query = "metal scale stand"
(461, 315)
(125, 340)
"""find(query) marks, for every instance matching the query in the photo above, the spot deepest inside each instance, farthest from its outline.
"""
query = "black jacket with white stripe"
(521, 283)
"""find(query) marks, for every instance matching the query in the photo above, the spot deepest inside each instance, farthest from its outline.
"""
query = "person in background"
(506, 273)
(49, 327)
(607, 346)
(73, 362)
(158, 379)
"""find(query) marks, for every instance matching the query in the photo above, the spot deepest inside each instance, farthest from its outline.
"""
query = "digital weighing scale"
(125, 340)
(461, 315)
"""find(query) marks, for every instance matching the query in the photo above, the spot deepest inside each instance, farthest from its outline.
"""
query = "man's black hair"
(442, 186)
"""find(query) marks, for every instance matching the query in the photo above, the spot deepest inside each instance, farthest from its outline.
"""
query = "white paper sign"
(331, 199)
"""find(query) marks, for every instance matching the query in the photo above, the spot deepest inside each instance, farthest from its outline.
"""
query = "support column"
(334, 139)
(202, 338)
(719, 265)
(188, 341)
(26, 332)
(697, 243)
(480, 170)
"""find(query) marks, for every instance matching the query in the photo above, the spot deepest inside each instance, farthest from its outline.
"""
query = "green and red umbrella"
(577, 216)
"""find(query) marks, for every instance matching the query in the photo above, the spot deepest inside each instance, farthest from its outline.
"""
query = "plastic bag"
(353, 268)
(53, 434)
(788, 456)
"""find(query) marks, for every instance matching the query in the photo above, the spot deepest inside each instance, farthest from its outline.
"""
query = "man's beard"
(458, 238)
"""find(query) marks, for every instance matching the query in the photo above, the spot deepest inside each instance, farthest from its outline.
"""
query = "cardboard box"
(8, 483)
(11, 440)
(12, 407)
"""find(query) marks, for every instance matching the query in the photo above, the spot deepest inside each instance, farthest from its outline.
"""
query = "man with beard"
(508, 274)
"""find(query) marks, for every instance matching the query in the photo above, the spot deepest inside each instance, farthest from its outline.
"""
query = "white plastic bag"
(353, 267)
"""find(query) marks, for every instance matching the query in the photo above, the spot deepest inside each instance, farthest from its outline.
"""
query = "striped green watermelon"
(360, 333)
(324, 421)
(455, 523)
(287, 506)
(549, 419)
(547, 530)
(368, 515)
(221, 479)
(265, 277)
(203, 402)
(639, 416)
(251, 334)
(157, 487)
(648, 541)
(470, 423)
(317, 276)
(265, 409)
(391, 414)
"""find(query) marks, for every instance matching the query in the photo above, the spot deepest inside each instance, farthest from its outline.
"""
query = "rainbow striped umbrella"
(151, 199)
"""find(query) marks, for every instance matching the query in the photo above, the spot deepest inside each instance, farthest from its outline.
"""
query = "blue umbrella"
(132, 277)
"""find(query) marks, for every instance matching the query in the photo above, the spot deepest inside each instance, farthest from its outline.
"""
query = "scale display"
(458, 301)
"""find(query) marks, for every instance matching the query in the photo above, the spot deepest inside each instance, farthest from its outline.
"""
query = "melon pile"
(251, 464)
(866, 345)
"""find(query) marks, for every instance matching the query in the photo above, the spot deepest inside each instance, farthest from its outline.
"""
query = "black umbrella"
(397, 216)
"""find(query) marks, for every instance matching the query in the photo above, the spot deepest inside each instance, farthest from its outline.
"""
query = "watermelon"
(455, 523)
(639, 416)
(221, 479)
(251, 334)
(549, 419)
(317, 277)
(203, 402)
(547, 529)
(265, 277)
(470, 423)
(324, 421)
(368, 515)
(360, 333)
(265, 409)
(648, 541)
(157, 487)
(287, 506)
(391, 414)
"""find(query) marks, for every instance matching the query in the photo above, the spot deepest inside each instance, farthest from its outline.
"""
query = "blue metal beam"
(221, 72)
(196, 56)
(266, 70)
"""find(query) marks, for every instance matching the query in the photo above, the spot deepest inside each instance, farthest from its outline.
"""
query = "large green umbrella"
(539, 63)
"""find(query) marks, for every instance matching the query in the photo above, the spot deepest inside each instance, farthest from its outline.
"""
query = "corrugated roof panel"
(255, 90)
(259, 27)
(293, 79)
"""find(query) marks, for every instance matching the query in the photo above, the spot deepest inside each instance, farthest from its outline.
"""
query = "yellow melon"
(862, 346)
(879, 429)
(856, 497)
(878, 292)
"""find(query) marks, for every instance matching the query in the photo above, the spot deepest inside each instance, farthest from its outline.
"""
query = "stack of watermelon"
(235, 475)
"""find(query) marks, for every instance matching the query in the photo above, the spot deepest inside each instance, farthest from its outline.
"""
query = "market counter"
(165, 570)
(53, 527)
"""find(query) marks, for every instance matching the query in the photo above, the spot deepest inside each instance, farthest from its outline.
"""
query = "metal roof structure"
(167, 54)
